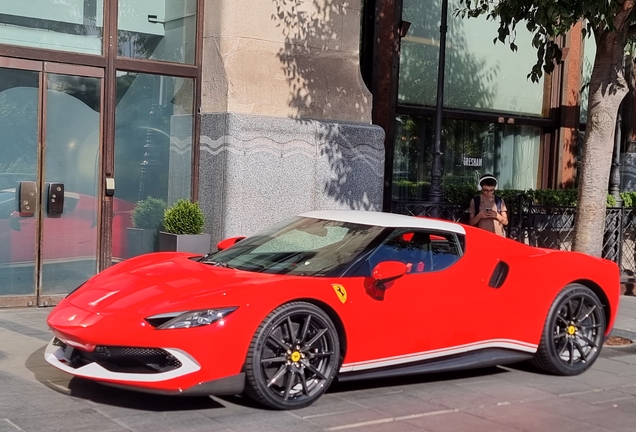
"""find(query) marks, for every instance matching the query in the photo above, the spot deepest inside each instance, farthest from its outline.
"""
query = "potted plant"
(147, 218)
(183, 229)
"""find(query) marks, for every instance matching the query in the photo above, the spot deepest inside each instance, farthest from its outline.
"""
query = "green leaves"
(547, 19)
(184, 217)
(148, 214)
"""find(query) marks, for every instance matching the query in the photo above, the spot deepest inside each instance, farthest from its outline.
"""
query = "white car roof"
(385, 219)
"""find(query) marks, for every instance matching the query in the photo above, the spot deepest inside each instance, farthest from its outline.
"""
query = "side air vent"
(499, 275)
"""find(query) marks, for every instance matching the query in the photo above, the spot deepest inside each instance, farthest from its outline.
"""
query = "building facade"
(259, 110)
(255, 108)
(494, 118)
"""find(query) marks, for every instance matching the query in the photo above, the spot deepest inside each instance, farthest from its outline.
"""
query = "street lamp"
(435, 194)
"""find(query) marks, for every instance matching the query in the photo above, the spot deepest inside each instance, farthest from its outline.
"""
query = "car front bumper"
(167, 371)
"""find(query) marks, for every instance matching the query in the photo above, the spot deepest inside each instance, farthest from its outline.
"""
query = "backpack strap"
(498, 203)
(476, 203)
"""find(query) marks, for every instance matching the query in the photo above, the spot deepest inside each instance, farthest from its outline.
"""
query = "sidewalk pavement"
(625, 324)
(35, 397)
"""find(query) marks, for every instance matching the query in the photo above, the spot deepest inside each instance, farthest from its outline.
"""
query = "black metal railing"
(546, 226)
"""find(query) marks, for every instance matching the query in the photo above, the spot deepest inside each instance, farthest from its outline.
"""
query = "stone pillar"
(286, 118)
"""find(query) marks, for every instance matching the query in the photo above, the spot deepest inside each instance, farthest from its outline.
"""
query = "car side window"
(421, 251)
(446, 251)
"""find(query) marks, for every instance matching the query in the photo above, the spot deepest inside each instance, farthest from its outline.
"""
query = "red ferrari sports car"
(334, 295)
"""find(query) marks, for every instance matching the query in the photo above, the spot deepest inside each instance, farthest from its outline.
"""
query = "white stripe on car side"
(55, 356)
(425, 355)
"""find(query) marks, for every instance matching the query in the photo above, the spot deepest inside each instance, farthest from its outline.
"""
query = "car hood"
(164, 282)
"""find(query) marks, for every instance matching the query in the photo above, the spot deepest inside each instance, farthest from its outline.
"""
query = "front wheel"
(293, 357)
(573, 334)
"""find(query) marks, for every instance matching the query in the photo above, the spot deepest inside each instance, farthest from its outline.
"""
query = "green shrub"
(460, 193)
(408, 189)
(184, 217)
(148, 214)
(548, 197)
(509, 195)
(629, 199)
(553, 197)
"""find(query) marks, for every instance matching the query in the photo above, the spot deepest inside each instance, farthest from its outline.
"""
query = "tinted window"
(421, 251)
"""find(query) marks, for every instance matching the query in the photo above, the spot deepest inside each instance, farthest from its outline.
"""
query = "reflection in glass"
(478, 75)
(470, 149)
(69, 240)
(419, 52)
(70, 25)
(153, 155)
(18, 162)
(589, 53)
(157, 30)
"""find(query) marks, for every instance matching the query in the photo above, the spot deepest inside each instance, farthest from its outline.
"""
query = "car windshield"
(299, 246)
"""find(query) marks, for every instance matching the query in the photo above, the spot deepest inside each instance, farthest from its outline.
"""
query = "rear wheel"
(293, 357)
(573, 333)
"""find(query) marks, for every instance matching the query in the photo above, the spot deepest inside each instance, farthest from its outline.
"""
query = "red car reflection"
(72, 235)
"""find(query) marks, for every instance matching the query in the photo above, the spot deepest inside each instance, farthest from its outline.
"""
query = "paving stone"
(170, 421)
(34, 397)
(523, 417)
(460, 422)
(76, 420)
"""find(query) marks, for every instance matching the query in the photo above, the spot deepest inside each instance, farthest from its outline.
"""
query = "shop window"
(157, 30)
(71, 25)
(153, 147)
(470, 149)
(478, 75)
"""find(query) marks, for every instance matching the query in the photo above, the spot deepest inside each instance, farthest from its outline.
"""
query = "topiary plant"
(184, 217)
(148, 214)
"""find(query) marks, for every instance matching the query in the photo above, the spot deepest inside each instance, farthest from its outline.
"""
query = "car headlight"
(189, 319)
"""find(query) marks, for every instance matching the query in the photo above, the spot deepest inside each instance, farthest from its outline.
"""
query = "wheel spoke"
(274, 360)
(315, 338)
(588, 341)
(579, 348)
(563, 320)
(579, 310)
(571, 352)
(280, 373)
(303, 381)
(291, 377)
(593, 326)
(314, 370)
(321, 354)
(303, 334)
(559, 335)
(278, 342)
(292, 333)
(565, 346)
(569, 310)
(588, 314)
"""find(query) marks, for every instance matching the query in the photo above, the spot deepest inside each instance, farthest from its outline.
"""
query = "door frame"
(102, 240)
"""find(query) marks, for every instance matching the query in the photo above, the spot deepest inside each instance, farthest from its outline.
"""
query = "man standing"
(488, 211)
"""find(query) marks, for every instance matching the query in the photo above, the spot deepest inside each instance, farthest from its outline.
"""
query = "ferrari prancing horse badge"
(340, 291)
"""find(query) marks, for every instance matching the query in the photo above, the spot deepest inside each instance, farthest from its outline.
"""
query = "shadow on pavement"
(103, 394)
(339, 387)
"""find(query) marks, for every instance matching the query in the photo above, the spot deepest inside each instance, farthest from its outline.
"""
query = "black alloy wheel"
(293, 357)
(574, 332)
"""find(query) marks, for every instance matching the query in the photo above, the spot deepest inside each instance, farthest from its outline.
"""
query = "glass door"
(50, 149)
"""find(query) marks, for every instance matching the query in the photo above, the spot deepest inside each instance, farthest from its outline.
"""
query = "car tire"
(293, 357)
(573, 335)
